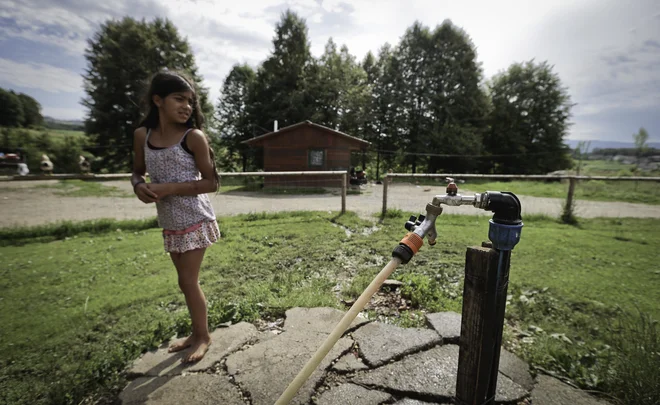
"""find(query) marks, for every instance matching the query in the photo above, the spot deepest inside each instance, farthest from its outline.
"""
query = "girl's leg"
(187, 265)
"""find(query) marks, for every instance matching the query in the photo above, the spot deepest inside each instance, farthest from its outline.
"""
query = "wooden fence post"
(343, 192)
(386, 180)
(571, 191)
(482, 320)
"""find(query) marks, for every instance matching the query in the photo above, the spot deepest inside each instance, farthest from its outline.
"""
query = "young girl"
(170, 146)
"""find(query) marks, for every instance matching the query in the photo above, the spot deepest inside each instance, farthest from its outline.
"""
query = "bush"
(62, 151)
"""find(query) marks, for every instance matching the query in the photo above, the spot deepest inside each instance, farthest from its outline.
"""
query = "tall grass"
(17, 236)
(634, 370)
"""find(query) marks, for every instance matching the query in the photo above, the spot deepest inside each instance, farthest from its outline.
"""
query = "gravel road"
(23, 203)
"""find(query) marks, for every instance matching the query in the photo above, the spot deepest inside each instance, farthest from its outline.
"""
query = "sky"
(606, 52)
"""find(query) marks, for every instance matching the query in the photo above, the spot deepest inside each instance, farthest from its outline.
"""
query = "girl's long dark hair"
(163, 84)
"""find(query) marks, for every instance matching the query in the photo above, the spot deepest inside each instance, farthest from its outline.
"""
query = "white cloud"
(595, 46)
(39, 76)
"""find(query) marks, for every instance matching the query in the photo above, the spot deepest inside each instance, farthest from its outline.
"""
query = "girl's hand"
(145, 194)
(160, 190)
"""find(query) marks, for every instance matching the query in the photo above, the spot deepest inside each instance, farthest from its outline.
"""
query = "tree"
(529, 120)
(282, 80)
(233, 118)
(340, 90)
(640, 141)
(373, 75)
(31, 111)
(412, 54)
(354, 95)
(327, 84)
(386, 112)
(11, 113)
(458, 105)
(121, 58)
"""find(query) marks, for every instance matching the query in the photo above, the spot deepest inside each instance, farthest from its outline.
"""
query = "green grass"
(592, 190)
(84, 188)
(277, 190)
(255, 184)
(61, 133)
(77, 310)
(19, 236)
(642, 192)
(56, 135)
(607, 168)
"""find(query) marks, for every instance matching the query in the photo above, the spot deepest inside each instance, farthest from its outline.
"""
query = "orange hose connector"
(413, 241)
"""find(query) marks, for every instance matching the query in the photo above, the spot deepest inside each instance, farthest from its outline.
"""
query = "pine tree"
(121, 58)
(386, 110)
(412, 54)
(458, 105)
(280, 91)
(234, 122)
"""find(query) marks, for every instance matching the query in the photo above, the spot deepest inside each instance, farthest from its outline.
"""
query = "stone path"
(373, 363)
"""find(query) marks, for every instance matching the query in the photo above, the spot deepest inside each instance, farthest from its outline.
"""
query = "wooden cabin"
(307, 146)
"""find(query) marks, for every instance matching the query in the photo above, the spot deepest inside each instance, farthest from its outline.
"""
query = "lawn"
(60, 134)
(642, 192)
(77, 309)
(56, 135)
(82, 188)
(612, 168)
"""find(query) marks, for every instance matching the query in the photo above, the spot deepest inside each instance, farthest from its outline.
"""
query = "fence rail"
(571, 188)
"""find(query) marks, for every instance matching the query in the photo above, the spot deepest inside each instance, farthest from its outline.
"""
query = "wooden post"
(481, 325)
(569, 198)
(386, 180)
(343, 192)
(502, 285)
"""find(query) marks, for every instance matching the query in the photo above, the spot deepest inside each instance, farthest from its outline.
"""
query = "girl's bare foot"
(181, 344)
(198, 350)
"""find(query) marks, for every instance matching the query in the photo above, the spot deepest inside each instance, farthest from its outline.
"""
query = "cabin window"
(316, 158)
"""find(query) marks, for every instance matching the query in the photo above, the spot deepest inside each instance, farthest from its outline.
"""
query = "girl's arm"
(199, 146)
(140, 168)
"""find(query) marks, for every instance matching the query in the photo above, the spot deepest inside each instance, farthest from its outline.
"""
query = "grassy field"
(591, 190)
(82, 188)
(61, 133)
(77, 309)
(612, 168)
(56, 135)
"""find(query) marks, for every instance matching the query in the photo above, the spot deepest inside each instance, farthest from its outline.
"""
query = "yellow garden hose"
(337, 332)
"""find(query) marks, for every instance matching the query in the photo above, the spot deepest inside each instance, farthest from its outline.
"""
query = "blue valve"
(504, 237)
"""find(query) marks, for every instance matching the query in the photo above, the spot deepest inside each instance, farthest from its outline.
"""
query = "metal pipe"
(455, 200)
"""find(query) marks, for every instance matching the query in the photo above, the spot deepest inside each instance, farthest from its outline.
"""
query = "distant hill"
(609, 144)
(72, 125)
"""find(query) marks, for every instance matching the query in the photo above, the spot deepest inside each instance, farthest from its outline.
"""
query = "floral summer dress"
(188, 222)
